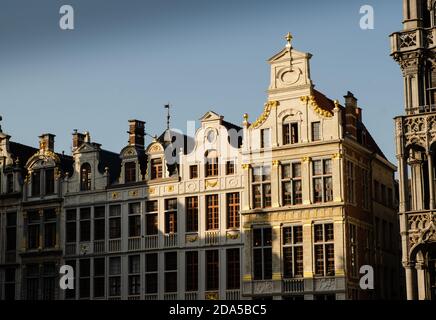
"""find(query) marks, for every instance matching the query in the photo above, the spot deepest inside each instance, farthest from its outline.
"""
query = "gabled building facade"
(287, 207)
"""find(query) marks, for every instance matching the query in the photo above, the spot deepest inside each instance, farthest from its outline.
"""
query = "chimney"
(351, 115)
(78, 139)
(46, 142)
(136, 133)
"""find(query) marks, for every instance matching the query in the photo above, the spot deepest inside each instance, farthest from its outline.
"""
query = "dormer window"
(290, 133)
(36, 183)
(212, 164)
(49, 181)
(85, 177)
(156, 168)
(130, 172)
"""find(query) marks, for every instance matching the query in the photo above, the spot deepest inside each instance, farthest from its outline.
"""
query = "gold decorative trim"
(152, 190)
(276, 276)
(115, 195)
(247, 277)
(245, 166)
(211, 184)
(276, 163)
(170, 189)
(319, 110)
(133, 193)
(306, 159)
(192, 238)
(211, 296)
(232, 235)
(265, 114)
(337, 156)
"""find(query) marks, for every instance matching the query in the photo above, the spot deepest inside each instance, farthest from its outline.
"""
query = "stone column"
(41, 228)
(403, 177)
(307, 255)
(276, 259)
(247, 261)
(339, 237)
(430, 178)
(245, 203)
(410, 280)
(305, 180)
(421, 280)
(337, 178)
(275, 184)
(58, 228)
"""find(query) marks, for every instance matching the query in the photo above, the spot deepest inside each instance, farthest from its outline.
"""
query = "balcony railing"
(134, 243)
(151, 242)
(233, 294)
(293, 285)
(211, 237)
(99, 246)
(150, 297)
(134, 298)
(115, 245)
(191, 295)
(170, 240)
(410, 40)
(170, 296)
(70, 249)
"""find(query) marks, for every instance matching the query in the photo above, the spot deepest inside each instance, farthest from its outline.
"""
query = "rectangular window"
(365, 189)
(212, 270)
(9, 284)
(70, 226)
(130, 172)
(262, 253)
(171, 216)
(191, 271)
(350, 182)
(292, 193)
(48, 281)
(265, 138)
(135, 219)
(32, 281)
(151, 273)
(99, 273)
(233, 269)
(151, 218)
(50, 228)
(377, 191)
(383, 195)
(170, 272)
(212, 165)
(293, 252)
(36, 183)
(324, 250)
(261, 187)
(115, 222)
(353, 250)
(322, 181)
(230, 167)
(212, 212)
(10, 183)
(49, 181)
(134, 275)
(192, 214)
(99, 223)
(233, 206)
(85, 224)
(84, 278)
(114, 276)
(316, 131)
(193, 172)
(33, 229)
(11, 231)
(71, 293)
(290, 133)
(156, 168)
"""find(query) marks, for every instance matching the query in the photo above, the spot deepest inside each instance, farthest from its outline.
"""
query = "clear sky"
(127, 58)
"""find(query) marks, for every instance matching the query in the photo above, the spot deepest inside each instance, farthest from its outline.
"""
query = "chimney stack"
(351, 115)
(46, 142)
(137, 133)
(78, 139)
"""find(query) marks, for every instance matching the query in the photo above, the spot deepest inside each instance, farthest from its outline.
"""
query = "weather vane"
(1, 118)
(289, 40)
(167, 106)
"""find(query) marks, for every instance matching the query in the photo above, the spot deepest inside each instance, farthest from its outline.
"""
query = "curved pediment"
(47, 157)
(129, 152)
(155, 148)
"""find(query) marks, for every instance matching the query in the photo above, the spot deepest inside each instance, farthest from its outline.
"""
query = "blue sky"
(126, 59)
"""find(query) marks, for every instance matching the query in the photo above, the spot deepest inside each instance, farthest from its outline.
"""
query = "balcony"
(170, 296)
(191, 295)
(170, 240)
(134, 244)
(115, 245)
(412, 40)
(211, 238)
(293, 285)
(70, 249)
(233, 294)
(99, 246)
(151, 242)
(419, 226)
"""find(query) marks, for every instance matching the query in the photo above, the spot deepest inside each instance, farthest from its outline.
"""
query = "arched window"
(290, 131)
(211, 163)
(85, 177)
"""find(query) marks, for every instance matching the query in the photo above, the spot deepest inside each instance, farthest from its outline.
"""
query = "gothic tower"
(414, 49)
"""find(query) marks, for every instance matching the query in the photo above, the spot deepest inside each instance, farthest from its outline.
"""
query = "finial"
(1, 118)
(245, 119)
(289, 40)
